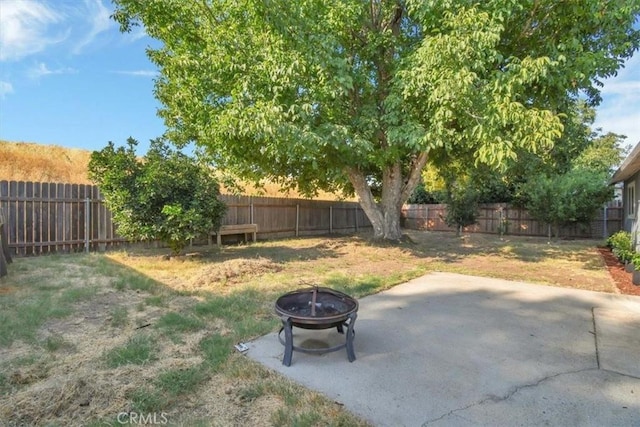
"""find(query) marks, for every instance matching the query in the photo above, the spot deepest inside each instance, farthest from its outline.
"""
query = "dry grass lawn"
(86, 337)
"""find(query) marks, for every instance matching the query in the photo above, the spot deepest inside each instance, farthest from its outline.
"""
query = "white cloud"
(100, 21)
(628, 88)
(25, 28)
(138, 73)
(136, 34)
(28, 27)
(41, 70)
(5, 89)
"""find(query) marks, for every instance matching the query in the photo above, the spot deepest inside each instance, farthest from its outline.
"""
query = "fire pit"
(316, 308)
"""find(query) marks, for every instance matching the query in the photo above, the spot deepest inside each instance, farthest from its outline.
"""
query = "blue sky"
(68, 77)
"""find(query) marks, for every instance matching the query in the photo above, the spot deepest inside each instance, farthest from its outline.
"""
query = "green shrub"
(166, 195)
(624, 255)
(620, 240)
(570, 198)
(621, 246)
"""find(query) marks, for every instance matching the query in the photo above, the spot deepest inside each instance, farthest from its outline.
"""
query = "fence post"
(356, 217)
(87, 224)
(5, 255)
(297, 220)
(426, 217)
(604, 222)
(250, 210)
(330, 219)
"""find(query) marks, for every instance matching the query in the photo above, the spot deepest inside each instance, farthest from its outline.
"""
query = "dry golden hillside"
(25, 161)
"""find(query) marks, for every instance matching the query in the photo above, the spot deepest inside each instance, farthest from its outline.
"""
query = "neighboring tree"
(462, 206)
(356, 95)
(570, 198)
(421, 196)
(579, 147)
(164, 196)
(604, 154)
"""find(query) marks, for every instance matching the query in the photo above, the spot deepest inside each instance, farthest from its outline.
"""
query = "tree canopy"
(355, 95)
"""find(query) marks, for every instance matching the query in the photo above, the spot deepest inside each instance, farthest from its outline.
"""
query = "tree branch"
(414, 175)
(359, 183)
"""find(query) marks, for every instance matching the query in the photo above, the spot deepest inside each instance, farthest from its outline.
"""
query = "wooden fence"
(45, 218)
(500, 218)
(49, 218)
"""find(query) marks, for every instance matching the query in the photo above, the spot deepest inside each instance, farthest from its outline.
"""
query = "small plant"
(636, 261)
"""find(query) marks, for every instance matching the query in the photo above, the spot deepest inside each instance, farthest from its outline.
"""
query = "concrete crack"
(620, 373)
(595, 336)
(508, 395)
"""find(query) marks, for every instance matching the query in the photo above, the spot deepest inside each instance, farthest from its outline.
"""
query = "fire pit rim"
(296, 318)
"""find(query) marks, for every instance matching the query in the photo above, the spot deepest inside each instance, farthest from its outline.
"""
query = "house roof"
(629, 167)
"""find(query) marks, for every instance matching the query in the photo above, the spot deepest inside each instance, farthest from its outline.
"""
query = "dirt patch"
(621, 278)
(228, 273)
(6, 289)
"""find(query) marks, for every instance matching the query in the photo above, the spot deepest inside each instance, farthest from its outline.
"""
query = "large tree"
(354, 95)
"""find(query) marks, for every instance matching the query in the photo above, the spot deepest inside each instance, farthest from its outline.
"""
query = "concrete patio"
(453, 350)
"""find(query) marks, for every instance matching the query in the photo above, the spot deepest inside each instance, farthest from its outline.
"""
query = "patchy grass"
(148, 400)
(50, 291)
(137, 351)
(176, 382)
(95, 335)
(216, 349)
(119, 317)
(173, 322)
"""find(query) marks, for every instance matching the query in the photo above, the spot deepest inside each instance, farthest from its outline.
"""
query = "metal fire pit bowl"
(316, 308)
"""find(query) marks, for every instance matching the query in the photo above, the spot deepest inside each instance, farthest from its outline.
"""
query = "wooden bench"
(235, 229)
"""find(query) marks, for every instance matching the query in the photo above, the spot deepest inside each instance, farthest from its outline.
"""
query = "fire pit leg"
(351, 354)
(288, 339)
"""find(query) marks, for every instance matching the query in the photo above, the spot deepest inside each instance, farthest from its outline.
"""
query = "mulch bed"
(616, 270)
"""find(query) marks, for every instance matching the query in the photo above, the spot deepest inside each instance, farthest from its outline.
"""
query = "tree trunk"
(385, 215)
